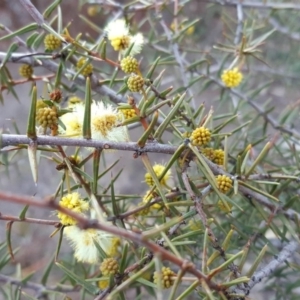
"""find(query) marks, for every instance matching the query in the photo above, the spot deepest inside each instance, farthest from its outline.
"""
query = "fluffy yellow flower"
(104, 123)
(73, 121)
(75, 203)
(82, 241)
(119, 36)
(158, 169)
(149, 197)
(232, 78)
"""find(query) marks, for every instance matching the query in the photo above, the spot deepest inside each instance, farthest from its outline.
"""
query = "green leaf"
(23, 30)
(23, 212)
(152, 69)
(33, 161)
(160, 130)
(8, 239)
(86, 285)
(47, 271)
(13, 47)
(86, 128)
(48, 11)
(31, 128)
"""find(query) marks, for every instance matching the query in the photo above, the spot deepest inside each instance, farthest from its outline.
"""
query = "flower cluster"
(215, 155)
(128, 113)
(72, 202)
(47, 117)
(224, 183)
(129, 64)
(104, 122)
(87, 70)
(225, 208)
(120, 38)
(165, 277)
(83, 243)
(232, 78)
(135, 83)
(109, 266)
(200, 136)
(158, 170)
(52, 42)
(26, 71)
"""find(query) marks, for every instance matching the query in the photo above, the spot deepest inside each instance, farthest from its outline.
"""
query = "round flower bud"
(52, 42)
(158, 170)
(109, 266)
(149, 197)
(143, 212)
(186, 134)
(200, 136)
(128, 113)
(232, 78)
(208, 153)
(224, 183)
(56, 95)
(219, 157)
(26, 71)
(129, 64)
(195, 224)
(135, 83)
(103, 284)
(166, 277)
(87, 70)
(40, 104)
(93, 10)
(223, 207)
(47, 117)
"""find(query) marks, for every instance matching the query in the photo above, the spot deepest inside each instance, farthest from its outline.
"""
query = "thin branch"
(175, 49)
(39, 288)
(285, 30)
(36, 15)
(266, 271)
(29, 220)
(84, 223)
(239, 27)
(53, 67)
(14, 139)
(260, 111)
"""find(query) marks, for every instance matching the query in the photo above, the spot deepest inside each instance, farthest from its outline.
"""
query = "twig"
(198, 200)
(175, 49)
(239, 27)
(29, 220)
(266, 271)
(14, 139)
(37, 287)
(33, 11)
(285, 30)
(53, 67)
(126, 234)
(11, 139)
